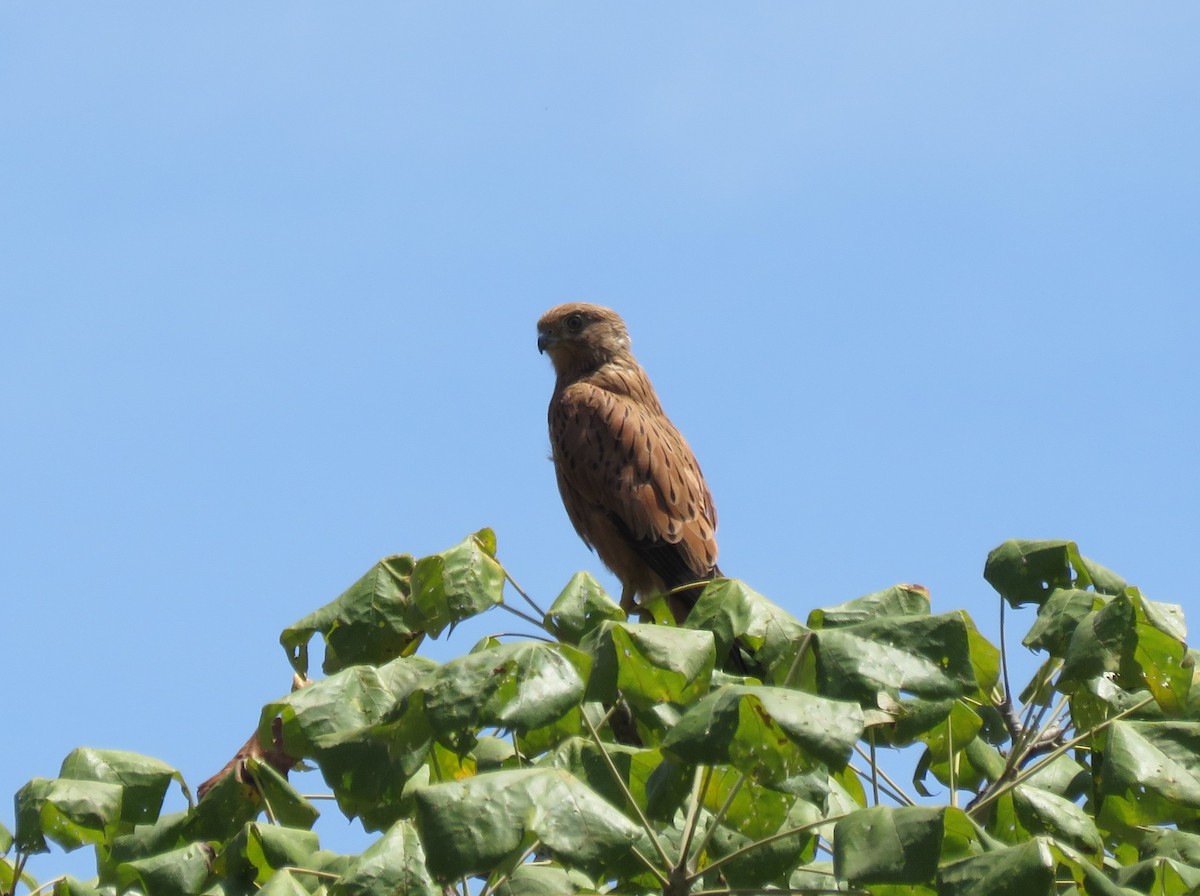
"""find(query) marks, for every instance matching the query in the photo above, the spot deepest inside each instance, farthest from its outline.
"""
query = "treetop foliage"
(603, 755)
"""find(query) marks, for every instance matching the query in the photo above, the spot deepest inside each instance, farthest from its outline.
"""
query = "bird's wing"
(616, 456)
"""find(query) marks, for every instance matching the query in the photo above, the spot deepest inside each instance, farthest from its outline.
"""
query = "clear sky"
(912, 279)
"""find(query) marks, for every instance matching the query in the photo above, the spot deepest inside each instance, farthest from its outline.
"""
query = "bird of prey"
(629, 481)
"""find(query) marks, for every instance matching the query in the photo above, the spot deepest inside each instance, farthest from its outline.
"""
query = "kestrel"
(629, 481)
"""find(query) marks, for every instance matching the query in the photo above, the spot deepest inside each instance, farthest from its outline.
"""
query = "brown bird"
(629, 481)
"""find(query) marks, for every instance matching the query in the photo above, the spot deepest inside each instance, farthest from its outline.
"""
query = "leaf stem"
(721, 813)
(540, 623)
(699, 788)
(779, 835)
(658, 847)
(521, 591)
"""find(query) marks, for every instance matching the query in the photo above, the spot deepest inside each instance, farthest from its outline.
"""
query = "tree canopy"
(599, 754)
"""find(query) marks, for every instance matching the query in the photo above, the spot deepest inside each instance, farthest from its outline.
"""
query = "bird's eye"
(575, 323)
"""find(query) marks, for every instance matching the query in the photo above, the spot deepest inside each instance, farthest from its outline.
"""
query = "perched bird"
(629, 481)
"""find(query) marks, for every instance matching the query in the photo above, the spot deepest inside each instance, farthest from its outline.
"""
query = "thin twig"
(992, 793)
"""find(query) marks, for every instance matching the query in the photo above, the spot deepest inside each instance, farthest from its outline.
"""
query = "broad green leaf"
(888, 845)
(754, 811)
(536, 741)
(1058, 618)
(221, 813)
(1162, 877)
(985, 658)
(471, 826)
(649, 664)
(583, 759)
(285, 883)
(731, 609)
(914, 667)
(259, 850)
(456, 584)
(366, 728)
(1041, 812)
(332, 710)
(733, 725)
(755, 863)
(1100, 642)
(69, 886)
(1025, 870)
(1027, 572)
(282, 800)
(181, 872)
(166, 833)
(581, 608)
(144, 781)
(899, 600)
(393, 864)
(367, 623)
(544, 880)
(1151, 773)
(518, 686)
(1181, 846)
(69, 813)
(1161, 656)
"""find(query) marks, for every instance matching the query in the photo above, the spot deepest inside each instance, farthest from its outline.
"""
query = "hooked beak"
(546, 341)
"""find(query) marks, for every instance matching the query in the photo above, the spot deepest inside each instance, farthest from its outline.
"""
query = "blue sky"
(912, 280)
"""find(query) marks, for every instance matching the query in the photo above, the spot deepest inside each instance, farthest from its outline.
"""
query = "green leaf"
(336, 708)
(649, 664)
(1100, 642)
(544, 880)
(283, 801)
(955, 733)
(1150, 773)
(367, 730)
(224, 809)
(69, 813)
(1058, 618)
(1025, 870)
(888, 845)
(581, 608)
(731, 609)
(166, 833)
(518, 686)
(285, 883)
(393, 864)
(1042, 812)
(181, 872)
(69, 886)
(899, 600)
(735, 723)
(367, 623)
(456, 584)
(471, 826)
(1162, 877)
(583, 759)
(926, 659)
(259, 850)
(1027, 572)
(144, 781)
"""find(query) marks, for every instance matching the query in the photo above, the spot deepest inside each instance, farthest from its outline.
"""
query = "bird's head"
(581, 337)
